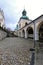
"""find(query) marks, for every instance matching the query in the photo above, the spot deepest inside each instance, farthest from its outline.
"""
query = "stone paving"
(15, 51)
(39, 56)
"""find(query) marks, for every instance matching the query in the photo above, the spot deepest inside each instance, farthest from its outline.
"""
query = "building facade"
(1, 18)
(3, 33)
(30, 29)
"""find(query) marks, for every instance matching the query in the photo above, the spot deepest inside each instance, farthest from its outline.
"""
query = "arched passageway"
(41, 32)
(23, 33)
(29, 32)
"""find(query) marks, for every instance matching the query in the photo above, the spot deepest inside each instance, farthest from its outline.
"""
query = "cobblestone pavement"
(39, 56)
(15, 51)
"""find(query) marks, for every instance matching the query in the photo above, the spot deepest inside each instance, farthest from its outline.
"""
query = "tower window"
(26, 23)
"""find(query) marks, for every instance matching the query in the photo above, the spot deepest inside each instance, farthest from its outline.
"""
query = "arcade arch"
(40, 30)
(29, 32)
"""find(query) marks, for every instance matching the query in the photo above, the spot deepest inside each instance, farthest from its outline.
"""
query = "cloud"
(11, 25)
(13, 10)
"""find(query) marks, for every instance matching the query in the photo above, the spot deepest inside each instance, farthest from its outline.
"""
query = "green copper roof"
(24, 15)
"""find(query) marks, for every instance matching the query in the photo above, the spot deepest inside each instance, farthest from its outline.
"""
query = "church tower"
(1, 18)
(24, 15)
(24, 20)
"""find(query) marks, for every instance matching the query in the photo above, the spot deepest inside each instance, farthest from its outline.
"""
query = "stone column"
(25, 34)
(21, 34)
(36, 34)
(18, 34)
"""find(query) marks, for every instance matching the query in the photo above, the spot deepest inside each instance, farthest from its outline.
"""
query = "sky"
(13, 10)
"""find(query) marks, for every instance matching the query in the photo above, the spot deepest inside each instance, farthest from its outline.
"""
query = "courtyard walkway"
(39, 54)
(15, 51)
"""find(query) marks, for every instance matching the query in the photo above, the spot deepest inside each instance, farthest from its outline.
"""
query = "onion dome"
(24, 15)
